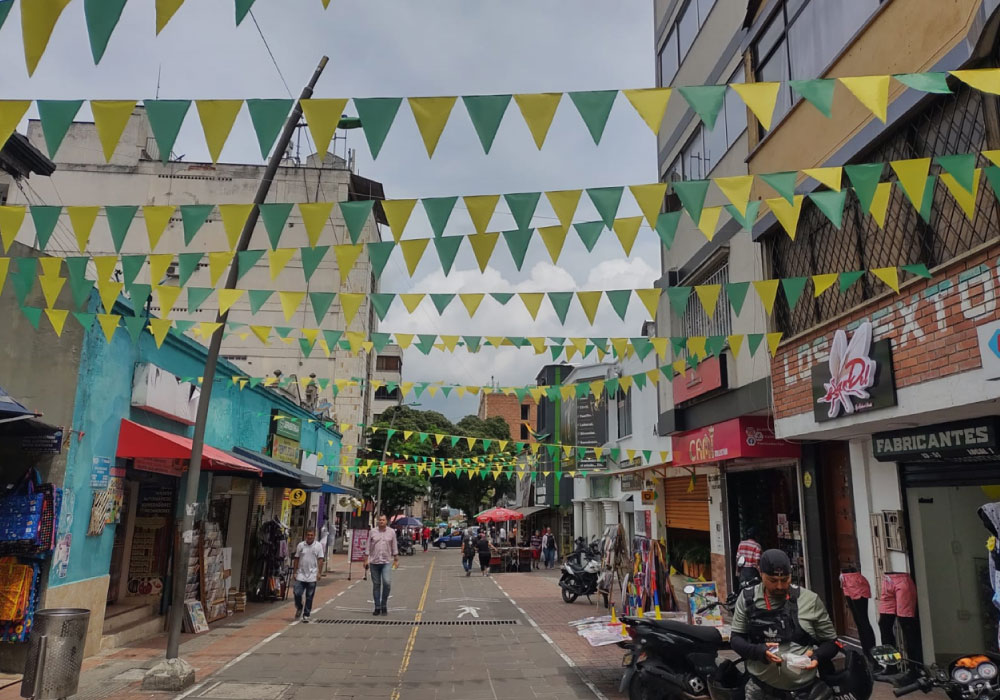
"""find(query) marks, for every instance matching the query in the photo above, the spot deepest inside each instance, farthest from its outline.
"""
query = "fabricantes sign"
(857, 377)
(743, 437)
(961, 441)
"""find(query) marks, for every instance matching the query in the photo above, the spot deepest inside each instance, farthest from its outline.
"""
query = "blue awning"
(276, 473)
(16, 418)
(334, 488)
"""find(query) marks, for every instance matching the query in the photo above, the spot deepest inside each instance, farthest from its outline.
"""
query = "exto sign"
(961, 441)
(744, 437)
(857, 377)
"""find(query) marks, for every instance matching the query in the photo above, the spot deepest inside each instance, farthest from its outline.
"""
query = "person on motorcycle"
(775, 625)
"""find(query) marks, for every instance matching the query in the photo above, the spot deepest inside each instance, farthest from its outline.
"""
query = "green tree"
(398, 490)
(481, 491)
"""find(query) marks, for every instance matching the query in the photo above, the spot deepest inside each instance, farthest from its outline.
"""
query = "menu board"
(591, 428)
(151, 538)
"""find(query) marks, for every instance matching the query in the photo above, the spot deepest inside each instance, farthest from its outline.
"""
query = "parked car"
(446, 541)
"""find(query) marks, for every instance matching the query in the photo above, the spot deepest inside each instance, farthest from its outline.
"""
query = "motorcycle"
(972, 677)
(579, 574)
(406, 547)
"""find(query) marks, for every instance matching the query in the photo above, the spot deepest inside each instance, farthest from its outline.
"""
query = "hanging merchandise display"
(269, 580)
(648, 585)
(213, 587)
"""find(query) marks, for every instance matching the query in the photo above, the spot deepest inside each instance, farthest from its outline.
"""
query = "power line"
(271, 54)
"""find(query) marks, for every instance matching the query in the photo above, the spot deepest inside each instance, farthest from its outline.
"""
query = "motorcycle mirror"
(689, 589)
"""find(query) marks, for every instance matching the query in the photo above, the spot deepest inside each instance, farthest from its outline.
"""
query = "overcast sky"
(407, 48)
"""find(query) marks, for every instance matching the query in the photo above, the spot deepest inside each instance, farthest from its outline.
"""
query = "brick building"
(521, 416)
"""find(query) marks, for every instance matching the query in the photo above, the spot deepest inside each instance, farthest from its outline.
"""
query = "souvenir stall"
(647, 587)
(616, 565)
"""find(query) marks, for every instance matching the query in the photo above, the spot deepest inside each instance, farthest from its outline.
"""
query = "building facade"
(386, 378)
(520, 416)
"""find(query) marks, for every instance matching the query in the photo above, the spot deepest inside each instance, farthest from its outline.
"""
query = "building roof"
(19, 158)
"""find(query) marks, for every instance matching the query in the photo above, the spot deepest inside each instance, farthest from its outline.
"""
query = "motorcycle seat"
(708, 635)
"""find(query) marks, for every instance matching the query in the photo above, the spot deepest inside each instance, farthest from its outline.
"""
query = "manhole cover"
(246, 691)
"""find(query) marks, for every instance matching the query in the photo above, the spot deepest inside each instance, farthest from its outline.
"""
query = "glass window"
(736, 111)
(676, 170)
(624, 414)
(704, 7)
(687, 27)
(770, 37)
(715, 143)
(776, 69)
(821, 31)
(668, 60)
(694, 156)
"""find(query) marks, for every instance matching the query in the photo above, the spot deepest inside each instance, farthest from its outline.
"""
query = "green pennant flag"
(284, 333)
(275, 216)
(80, 288)
(925, 207)
(33, 314)
(379, 341)
(517, 244)
(522, 207)
(134, 325)
(865, 178)
(589, 232)
(306, 346)
(446, 390)
(666, 227)
(84, 319)
(706, 101)
(378, 254)
(925, 82)
(818, 92)
(5, 10)
(611, 387)
(422, 437)
(600, 343)
(737, 294)
(438, 210)
(193, 217)
(356, 216)
(447, 250)
(197, 297)
(615, 453)
(993, 177)
(582, 389)
(642, 347)
(962, 167)
(165, 120)
(441, 301)
(678, 343)
(849, 278)
(320, 302)
(606, 200)
(486, 112)
(182, 327)
(425, 343)
(678, 298)
(619, 299)
(119, 220)
(502, 297)
(745, 220)
(102, 17)
(594, 107)
(831, 203)
(918, 269)
(782, 183)
(24, 279)
(560, 302)
(553, 451)
(56, 116)
(45, 219)
(242, 8)
(311, 258)
(753, 342)
(377, 115)
(793, 287)
(381, 304)
(258, 297)
(556, 351)
(692, 194)
(131, 265)
(187, 263)
(472, 342)
(268, 117)
(332, 338)
(714, 345)
(248, 258)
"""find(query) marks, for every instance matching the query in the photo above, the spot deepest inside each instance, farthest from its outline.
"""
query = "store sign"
(285, 450)
(50, 443)
(856, 378)
(285, 427)
(989, 349)
(632, 482)
(961, 441)
(157, 465)
(648, 497)
(160, 392)
(738, 438)
(709, 375)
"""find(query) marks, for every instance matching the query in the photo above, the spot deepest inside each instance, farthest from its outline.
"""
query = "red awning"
(137, 442)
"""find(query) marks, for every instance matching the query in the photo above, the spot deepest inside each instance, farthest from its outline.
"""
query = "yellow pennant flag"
(481, 208)
(650, 298)
(538, 344)
(760, 98)
(397, 213)
(158, 266)
(411, 302)
(323, 116)
(166, 297)
(105, 266)
(538, 110)
(234, 218)
(589, 301)
(495, 340)
(110, 118)
(993, 156)
(821, 283)
(767, 290)
(532, 302)
(737, 190)
(431, 115)
(965, 199)
(228, 297)
(982, 79)
(11, 114)
(625, 384)
(206, 329)
(889, 275)
(51, 286)
(450, 342)
(262, 333)
(157, 219)
(786, 214)
(38, 19)
(11, 218)
(872, 91)
(597, 388)
(82, 220)
(314, 218)
(660, 345)
(773, 339)
(277, 259)
(735, 344)
(709, 221)
(217, 119)
(880, 203)
(165, 10)
(680, 365)
(650, 104)
(57, 317)
(564, 204)
(580, 344)
(109, 292)
(831, 177)
(567, 392)
(471, 302)
(696, 346)
(4, 267)
(356, 339)
(217, 264)
(708, 295)
(553, 237)
(109, 324)
(483, 245)
(650, 200)
(653, 375)
(347, 255)
(350, 303)
(413, 250)
(912, 174)
(627, 229)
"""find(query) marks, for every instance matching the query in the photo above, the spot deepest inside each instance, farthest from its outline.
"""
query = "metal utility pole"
(194, 468)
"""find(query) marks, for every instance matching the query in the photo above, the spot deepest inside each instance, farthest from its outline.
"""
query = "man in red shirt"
(750, 550)
(426, 537)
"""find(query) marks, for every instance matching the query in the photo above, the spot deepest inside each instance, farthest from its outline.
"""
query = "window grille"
(696, 322)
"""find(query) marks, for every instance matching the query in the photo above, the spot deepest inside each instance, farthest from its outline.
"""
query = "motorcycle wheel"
(568, 597)
(637, 689)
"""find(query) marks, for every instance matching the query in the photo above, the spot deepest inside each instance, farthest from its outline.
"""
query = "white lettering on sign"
(988, 303)
(943, 439)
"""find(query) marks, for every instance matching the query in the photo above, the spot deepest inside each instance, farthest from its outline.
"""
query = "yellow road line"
(411, 642)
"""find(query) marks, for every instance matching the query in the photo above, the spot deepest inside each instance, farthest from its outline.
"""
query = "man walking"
(308, 562)
(549, 549)
(749, 550)
(468, 553)
(381, 548)
(426, 537)
(536, 548)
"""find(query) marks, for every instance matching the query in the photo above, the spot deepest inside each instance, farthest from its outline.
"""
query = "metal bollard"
(55, 653)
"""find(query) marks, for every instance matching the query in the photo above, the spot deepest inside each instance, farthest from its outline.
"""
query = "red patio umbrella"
(499, 515)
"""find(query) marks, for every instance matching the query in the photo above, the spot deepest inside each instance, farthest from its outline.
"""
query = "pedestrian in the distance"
(536, 548)
(468, 554)
(485, 554)
(549, 549)
(381, 548)
(426, 537)
(307, 564)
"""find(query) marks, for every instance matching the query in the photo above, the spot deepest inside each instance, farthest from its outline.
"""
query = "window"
(389, 363)
(383, 394)
(525, 435)
(600, 487)
(525, 411)
(696, 322)
(624, 414)
(681, 37)
(687, 27)
(669, 61)
(705, 149)
(693, 156)
(735, 110)
(704, 7)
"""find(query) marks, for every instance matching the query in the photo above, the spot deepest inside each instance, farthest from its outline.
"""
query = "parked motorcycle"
(406, 547)
(972, 677)
(579, 574)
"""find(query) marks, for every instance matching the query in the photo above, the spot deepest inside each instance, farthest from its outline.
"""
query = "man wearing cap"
(775, 626)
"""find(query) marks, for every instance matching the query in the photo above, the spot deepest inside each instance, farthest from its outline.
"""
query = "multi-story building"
(386, 378)
(520, 416)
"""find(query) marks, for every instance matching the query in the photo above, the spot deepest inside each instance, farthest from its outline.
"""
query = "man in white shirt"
(307, 564)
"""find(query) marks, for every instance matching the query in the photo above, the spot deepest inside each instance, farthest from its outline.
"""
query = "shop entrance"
(767, 500)
(837, 500)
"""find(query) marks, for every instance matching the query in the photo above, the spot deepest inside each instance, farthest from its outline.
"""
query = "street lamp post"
(385, 450)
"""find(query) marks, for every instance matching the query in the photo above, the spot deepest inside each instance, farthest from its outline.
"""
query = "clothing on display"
(899, 603)
(857, 592)
(990, 515)
(272, 561)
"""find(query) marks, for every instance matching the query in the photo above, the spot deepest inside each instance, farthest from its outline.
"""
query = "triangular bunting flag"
(553, 237)
(787, 214)
(157, 219)
(431, 115)
(413, 250)
(471, 302)
(912, 174)
(538, 110)
(872, 91)
(56, 115)
(831, 203)
(590, 301)
(323, 117)
(447, 249)
(627, 230)
(320, 302)
(82, 220)
(38, 19)
(650, 104)
(692, 195)
(793, 288)
(110, 118)
(356, 215)
(889, 275)
(865, 180)
(483, 245)
(486, 112)
(737, 190)
(782, 183)
(821, 283)
(377, 115)
(767, 290)
(736, 292)
(193, 217)
(708, 295)
(268, 117)
(594, 108)
(234, 218)
(165, 119)
(760, 98)
(532, 302)
(517, 244)
(706, 101)
(818, 92)
(217, 119)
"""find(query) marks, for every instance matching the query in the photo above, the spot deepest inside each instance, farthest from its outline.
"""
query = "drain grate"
(407, 623)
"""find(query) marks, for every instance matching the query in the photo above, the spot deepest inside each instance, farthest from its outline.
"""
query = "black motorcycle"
(579, 573)
(406, 546)
(972, 677)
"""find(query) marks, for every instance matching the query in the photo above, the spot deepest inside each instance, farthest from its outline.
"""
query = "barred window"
(696, 322)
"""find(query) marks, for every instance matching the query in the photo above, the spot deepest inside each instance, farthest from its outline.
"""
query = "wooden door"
(118, 546)
(837, 498)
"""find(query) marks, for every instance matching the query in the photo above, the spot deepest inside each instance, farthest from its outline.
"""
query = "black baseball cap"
(774, 562)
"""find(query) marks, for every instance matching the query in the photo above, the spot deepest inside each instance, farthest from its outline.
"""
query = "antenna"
(159, 73)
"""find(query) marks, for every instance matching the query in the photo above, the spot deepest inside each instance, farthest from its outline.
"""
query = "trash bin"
(55, 653)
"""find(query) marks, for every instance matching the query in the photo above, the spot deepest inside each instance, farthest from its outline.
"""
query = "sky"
(406, 48)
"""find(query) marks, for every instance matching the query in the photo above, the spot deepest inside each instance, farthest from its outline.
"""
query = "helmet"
(728, 682)
(854, 681)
